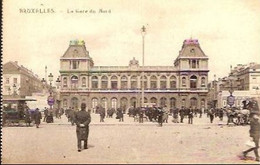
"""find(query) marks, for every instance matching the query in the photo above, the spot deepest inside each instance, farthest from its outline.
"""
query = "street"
(128, 142)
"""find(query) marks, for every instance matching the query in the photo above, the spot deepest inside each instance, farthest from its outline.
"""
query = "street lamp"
(50, 78)
(143, 30)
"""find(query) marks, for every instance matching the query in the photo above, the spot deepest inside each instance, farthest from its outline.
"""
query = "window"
(84, 82)
(104, 82)
(203, 82)
(172, 82)
(172, 102)
(193, 64)
(114, 103)
(193, 82)
(7, 80)
(153, 82)
(74, 82)
(133, 82)
(145, 82)
(114, 82)
(65, 103)
(163, 81)
(75, 64)
(183, 82)
(94, 81)
(124, 82)
(65, 82)
(15, 80)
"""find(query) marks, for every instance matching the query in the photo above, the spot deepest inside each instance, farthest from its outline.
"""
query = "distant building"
(18, 80)
(182, 84)
(245, 84)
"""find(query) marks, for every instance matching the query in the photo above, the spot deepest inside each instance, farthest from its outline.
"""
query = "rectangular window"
(124, 84)
(193, 64)
(75, 64)
(153, 84)
(15, 80)
(7, 80)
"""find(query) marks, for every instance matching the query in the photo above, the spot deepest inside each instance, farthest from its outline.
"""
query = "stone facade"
(183, 84)
(243, 81)
(19, 80)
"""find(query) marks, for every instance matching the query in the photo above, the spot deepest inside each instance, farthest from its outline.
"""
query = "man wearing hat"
(82, 119)
(255, 134)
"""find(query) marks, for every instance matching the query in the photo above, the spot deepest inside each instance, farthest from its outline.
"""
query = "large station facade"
(182, 84)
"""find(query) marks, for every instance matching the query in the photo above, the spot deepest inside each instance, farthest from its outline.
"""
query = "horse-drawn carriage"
(16, 111)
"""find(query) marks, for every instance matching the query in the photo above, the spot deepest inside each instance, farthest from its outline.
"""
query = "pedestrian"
(120, 115)
(27, 117)
(160, 116)
(82, 119)
(190, 115)
(200, 112)
(255, 134)
(141, 115)
(102, 114)
(182, 114)
(37, 117)
(45, 113)
(221, 114)
(211, 115)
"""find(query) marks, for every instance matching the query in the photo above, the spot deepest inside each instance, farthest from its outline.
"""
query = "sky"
(228, 31)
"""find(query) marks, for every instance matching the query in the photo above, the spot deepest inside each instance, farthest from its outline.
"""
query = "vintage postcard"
(130, 82)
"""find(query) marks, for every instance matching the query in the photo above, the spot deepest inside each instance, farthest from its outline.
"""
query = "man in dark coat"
(182, 114)
(120, 114)
(37, 117)
(27, 117)
(82, 119)
(102, 114)
(190, 115)
(211, 114)
(160, 116)
(255, 134)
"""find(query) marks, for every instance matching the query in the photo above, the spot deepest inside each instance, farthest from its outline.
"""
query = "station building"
(182, 84)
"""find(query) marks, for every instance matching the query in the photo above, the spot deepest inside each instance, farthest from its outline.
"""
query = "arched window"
(172, 102)
(104, 103)
(193, 81)
(133, 102)
(114, 82)
(114, 103)
(153, 81)
(183, 82)
(163, 102)
(123, 103)
(94, 103)
(163, 81)
(65, 103)
(104, 82)
(172, 82)
(65, 82)
(94, 82)
(133, 82)
(193, 103)
(153, 100)
(124, 82)
(203, 82)
(145, 82)
(84, 82)
(202, 103)
(74, 103)
(74, 82)
(183, 103)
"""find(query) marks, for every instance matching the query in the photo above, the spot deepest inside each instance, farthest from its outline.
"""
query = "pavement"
(113, 142)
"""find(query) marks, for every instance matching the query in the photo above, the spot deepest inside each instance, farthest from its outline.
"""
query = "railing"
(137, 90)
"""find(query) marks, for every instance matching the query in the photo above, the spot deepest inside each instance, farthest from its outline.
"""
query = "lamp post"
(143, 30)
(231, 98)
(50, 98)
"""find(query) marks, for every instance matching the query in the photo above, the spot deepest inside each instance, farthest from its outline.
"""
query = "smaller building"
(243, 81)
(18, 80)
